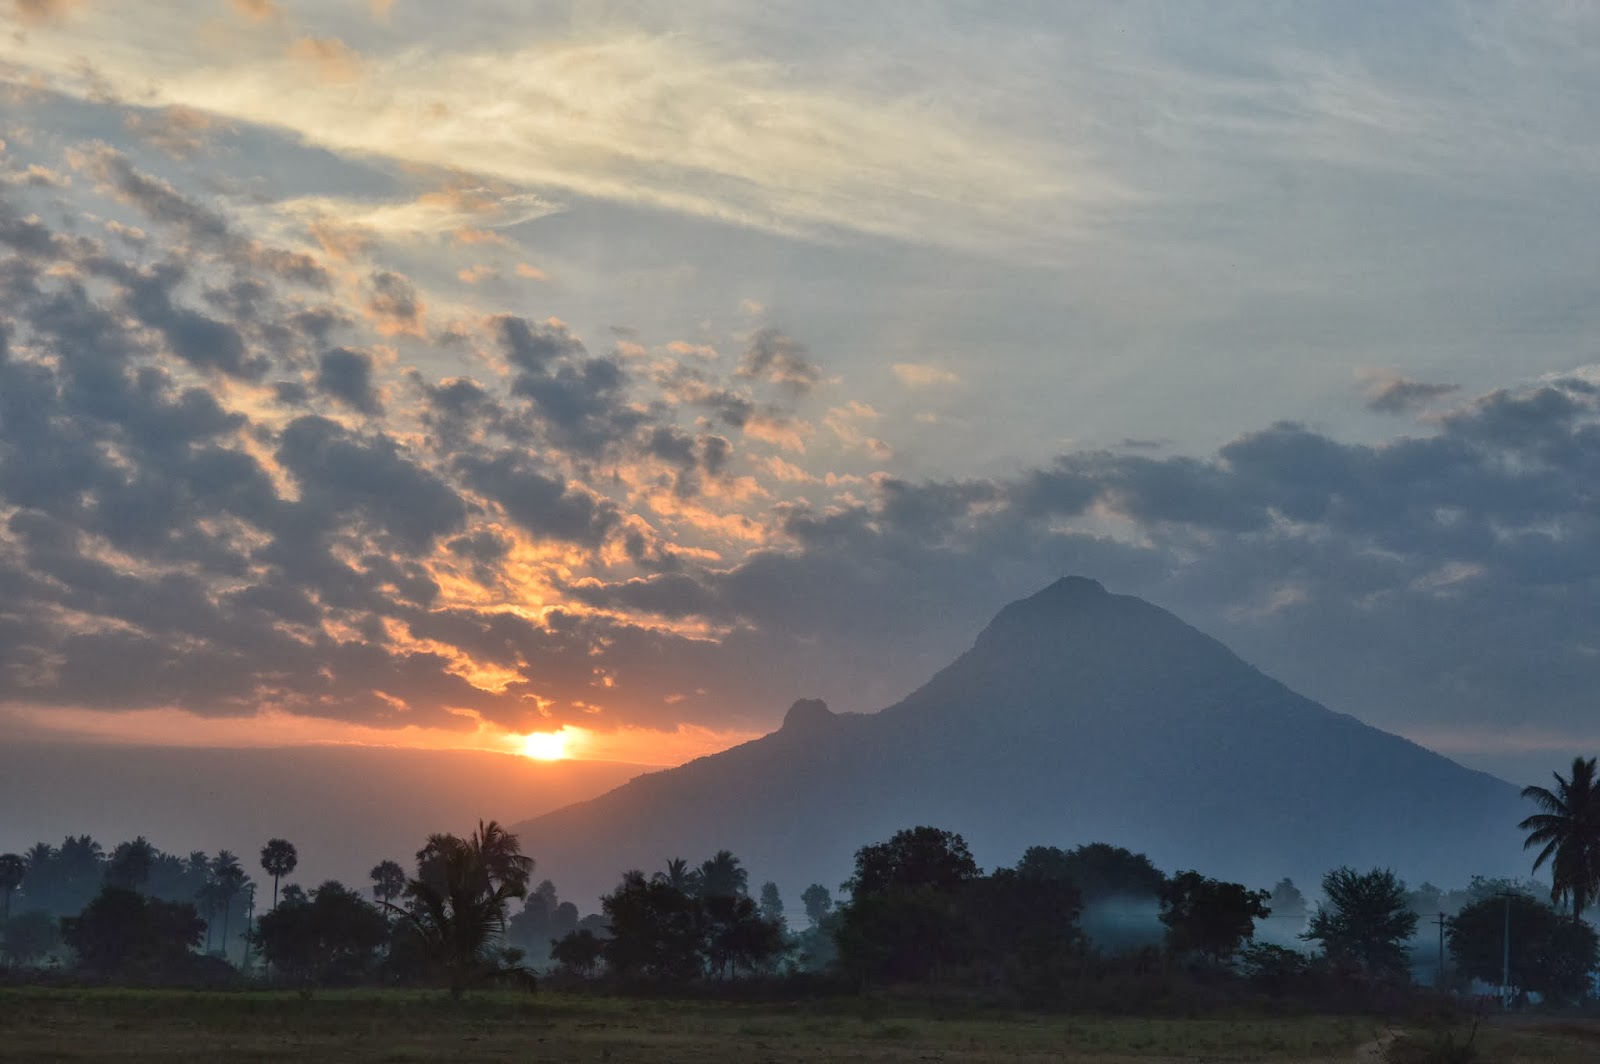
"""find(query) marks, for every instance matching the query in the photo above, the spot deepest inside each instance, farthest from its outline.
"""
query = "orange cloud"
(381, 9)
(177, 130)
(467, 235)
(478, 274)
(335, 61)
(258, 10)
(530, 272)
(38, 12)
(343, 242)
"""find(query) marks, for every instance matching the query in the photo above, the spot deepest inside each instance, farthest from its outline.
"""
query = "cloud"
(394, 305)
(257, 10)
(39, 12)
(334, 61)
(1389, 393)
(916, 375)
(346, 375)
(178, 131)
(466, 216)
(779, 359)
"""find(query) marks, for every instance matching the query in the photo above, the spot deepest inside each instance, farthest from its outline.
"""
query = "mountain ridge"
(1077, 715)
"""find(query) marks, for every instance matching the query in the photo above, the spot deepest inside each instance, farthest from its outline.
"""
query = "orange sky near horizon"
(169, 727)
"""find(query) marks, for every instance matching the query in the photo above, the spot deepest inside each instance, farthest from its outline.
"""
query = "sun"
(547, 746)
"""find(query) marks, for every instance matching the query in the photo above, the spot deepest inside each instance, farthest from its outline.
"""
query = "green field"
(129, 1025)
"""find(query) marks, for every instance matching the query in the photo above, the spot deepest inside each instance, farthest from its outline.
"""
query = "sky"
(431, 375)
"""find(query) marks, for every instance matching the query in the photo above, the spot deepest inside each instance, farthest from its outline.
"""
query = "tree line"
(916, 910)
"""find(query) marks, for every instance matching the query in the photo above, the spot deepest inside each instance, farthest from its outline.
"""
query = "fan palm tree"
(13, 870)
(278, 858)
(459, 897)
(388, 880)
(1569, 830)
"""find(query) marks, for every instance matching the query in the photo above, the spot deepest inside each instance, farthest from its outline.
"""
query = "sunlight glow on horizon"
(548, 746)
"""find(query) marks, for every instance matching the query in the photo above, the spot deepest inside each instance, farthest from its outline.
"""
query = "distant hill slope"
(1077, 716)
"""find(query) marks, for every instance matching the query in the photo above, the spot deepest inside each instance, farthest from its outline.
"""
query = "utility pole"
(1505, 960)
(1441, 952)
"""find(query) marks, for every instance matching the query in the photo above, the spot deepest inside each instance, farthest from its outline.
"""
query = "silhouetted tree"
(533, 928)
(736, 936)
(40, 880)
(78, 874)
(125, 934)
(1209, 917)
(331, 937)
(1550, 955)
(915, 857)
(818, 901)
(28, 936)
(229, 878)
(1024, 926)
(1286, 899)
(278, 858)
(13, 870)
(459, 899)
(656, 930)
(1568, 827)
(578, 952)
(772, 905)
(388, 880)
(904, 917)
(130, 864)
(1099, 870)
(679, 876)
(1366, 923)
(721, 876)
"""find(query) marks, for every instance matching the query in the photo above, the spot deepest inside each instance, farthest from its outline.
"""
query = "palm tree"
(13, 870)
(1569, 830)
(721, 877)
(131, 863)
(460, 897)
(388, 881)
(229, 876)
(278, 858)
(679, 876)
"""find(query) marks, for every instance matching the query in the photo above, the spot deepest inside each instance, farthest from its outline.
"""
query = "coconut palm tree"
(722, 877)
(278, 858)
(230, 877)
(679, 876)
(1569, 830)
(459, 898)
(13, 870)
(131, 863)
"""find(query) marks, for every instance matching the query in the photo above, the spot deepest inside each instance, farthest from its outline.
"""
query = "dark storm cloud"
(779, 359)
(346, 375)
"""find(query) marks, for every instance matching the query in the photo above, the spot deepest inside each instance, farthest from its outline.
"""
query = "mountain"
(1077, 716)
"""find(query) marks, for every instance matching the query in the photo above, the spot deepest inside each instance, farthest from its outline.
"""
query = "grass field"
(398, 1026)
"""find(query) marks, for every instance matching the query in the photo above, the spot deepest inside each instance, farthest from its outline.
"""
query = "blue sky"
(642, 369)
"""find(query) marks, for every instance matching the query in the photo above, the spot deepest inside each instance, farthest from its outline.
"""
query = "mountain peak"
(1070, 589)
(808, 714)
(1067, 597)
